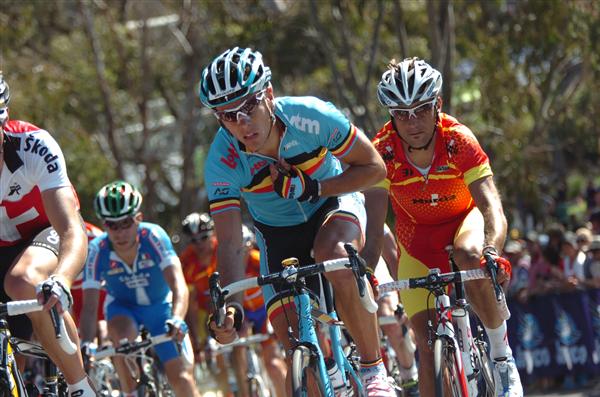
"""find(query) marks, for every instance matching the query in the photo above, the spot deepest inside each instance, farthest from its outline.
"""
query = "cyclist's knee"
(467, 257)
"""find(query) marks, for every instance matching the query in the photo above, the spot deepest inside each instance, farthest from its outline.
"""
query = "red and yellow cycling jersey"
(253, 298)
(442, 195)
(196, 274)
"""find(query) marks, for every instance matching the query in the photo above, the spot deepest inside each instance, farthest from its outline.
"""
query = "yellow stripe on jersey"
(478, 172)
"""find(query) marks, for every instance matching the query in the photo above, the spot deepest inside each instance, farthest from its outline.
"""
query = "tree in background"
(115, 81)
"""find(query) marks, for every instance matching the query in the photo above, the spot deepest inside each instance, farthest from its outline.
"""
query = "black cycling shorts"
(20, 326)
(282, 242)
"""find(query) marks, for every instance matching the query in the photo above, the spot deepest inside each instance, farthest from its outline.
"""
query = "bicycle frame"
(445, 329)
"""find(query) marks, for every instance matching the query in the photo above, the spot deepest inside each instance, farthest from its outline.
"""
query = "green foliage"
(523, 78)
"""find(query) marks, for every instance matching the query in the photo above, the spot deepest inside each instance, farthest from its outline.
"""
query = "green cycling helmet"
(117, 201)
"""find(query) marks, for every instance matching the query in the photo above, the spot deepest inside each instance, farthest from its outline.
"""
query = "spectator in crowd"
(592, 264)
(545, 273)
(595, 221)
(572, 260)
(584, 238)
(515, 252)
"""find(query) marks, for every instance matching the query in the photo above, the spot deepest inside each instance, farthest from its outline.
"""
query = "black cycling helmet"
(196, 223)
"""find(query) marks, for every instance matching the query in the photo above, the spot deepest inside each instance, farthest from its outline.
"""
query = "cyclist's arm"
(89, 321)
(487, 200)
(365, 168)
(62, 210)
(191, 317)
(174, 277)
(230, 251)
(390, 252)
(376, 204)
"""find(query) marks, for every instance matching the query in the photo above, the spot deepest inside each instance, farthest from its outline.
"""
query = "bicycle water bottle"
(335, 375)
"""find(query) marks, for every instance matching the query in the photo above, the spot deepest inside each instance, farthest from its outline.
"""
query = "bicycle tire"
(486, 384)
(301, 370)
(444, 362)
(256, 387)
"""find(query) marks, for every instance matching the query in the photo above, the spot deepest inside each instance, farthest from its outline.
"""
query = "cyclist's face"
(415, 124)
(123, 234)
(249, 119)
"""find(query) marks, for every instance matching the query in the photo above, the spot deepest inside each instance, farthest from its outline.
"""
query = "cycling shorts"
(20, 326)
(428, 251)
(279, 243)
(153, 318)
(258, 318)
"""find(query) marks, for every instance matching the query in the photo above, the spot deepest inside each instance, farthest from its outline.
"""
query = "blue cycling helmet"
(232, 75)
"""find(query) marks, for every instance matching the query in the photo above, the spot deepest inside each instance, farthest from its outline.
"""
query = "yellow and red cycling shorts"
(427, 250)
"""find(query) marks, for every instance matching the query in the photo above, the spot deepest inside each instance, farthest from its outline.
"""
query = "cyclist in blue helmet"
(284, 157)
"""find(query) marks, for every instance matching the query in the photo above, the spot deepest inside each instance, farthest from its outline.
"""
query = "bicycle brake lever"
(492, 268)
(47, 291)
(217, 297)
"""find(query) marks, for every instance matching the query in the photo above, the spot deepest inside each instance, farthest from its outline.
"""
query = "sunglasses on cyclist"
(245, 110)
(416, 112)
(119, 225)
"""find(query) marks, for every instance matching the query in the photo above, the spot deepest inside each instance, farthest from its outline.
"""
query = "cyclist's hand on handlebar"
(504, 267)
(60, 294)
(227, 333)
(177, 328)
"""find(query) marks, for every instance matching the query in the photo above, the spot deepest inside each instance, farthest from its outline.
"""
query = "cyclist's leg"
(345, 224)
(415, 304)
(387, 306)
(121, 325)
(240, 360)
(468, 244)
(35, 264)
(271, 354)
(178, 366)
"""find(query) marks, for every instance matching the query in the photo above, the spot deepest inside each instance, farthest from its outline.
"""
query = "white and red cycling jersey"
(33, 163)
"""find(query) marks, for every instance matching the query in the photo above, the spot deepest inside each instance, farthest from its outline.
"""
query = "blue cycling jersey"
(316, 135)
(140, 284)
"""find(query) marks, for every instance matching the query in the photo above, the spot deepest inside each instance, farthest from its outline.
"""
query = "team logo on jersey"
(221, 191)
(258, 166)
(306, 125)
(14, 189)
(290, 145)
(34, 145)
(442, 168)
(114, 268)
(230, 159)
(145, 264)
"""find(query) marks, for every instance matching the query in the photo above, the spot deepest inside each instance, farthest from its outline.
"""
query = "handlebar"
(435, 280)
(130, 347)
(29, 306)
(289, 275)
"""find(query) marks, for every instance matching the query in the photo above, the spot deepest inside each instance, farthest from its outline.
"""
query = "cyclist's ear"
(269, 92)
(439, 103)
(139, 217)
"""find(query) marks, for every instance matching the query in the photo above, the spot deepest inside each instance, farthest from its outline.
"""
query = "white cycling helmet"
(4, 99)
(196, 223)
(408, 82)
(232, 75)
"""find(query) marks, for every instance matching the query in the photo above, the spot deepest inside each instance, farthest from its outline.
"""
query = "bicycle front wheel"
(446, 370)
(487, 386)
(303, 373)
